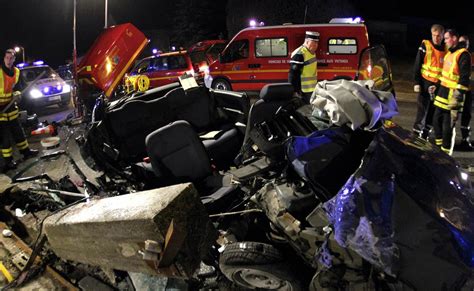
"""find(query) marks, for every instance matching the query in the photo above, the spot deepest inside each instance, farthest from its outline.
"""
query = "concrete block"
(112, 232)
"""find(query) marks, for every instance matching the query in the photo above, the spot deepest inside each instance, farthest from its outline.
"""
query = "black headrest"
(276, 92)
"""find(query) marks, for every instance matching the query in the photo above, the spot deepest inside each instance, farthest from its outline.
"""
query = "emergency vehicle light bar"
(347, 20)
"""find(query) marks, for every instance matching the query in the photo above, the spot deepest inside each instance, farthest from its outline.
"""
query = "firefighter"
(454, 85)
(428, 67)
(303, 74)
(465, 144)
(9, 123)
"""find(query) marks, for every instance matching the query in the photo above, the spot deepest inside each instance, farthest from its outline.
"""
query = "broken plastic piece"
(7, 233)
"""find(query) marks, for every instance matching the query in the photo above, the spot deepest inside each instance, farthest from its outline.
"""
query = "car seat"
(272, 99)
(177, 155)
(221, 138)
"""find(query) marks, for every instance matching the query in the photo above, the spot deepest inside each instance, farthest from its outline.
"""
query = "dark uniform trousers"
(11, 129)
(424, 114)
(442, 124)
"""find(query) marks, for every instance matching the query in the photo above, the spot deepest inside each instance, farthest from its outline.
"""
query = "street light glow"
(19, 48)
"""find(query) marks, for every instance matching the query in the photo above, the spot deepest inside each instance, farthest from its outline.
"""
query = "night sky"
(44, 27)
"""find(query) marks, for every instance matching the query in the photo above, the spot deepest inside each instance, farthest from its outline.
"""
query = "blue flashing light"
(21, 65)
(154, 51)
(37, 63)
(347, 20)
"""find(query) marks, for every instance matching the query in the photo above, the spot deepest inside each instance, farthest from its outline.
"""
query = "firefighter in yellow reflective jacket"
(454, 85)
(428, 67)
(9, 123)
(303, 74)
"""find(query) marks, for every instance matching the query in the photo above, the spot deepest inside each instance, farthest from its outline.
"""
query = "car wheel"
(259, 266)
(221, 84)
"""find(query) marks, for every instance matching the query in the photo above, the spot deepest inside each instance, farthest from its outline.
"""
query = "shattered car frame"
(309, 203)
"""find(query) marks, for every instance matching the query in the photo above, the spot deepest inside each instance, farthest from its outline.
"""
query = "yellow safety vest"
(450, 78)
(6, 89)
(309, 75)
(450, 75)
(433, 62)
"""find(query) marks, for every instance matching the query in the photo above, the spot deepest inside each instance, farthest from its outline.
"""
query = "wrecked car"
(331, 195)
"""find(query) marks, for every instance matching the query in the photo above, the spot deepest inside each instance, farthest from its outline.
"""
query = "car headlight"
(35, 93)
(66, 88)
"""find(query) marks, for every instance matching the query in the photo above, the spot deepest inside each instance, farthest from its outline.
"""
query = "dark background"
(44, 27)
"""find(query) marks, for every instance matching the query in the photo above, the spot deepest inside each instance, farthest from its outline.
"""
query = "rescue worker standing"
(9, 123)
(303, 74)
(454, 85)
(428, 67)
(465, 144)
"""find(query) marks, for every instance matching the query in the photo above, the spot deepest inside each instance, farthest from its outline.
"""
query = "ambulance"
(257, 56)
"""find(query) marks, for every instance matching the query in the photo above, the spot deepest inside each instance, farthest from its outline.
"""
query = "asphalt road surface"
(406, 118)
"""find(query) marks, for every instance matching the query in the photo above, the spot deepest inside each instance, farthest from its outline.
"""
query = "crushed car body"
(195, 184)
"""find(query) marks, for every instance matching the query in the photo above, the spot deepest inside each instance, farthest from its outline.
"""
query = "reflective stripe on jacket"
(433, 62)
(6, 91)
(442, 99)
(450, 79)
(309, 74)
(450, 75)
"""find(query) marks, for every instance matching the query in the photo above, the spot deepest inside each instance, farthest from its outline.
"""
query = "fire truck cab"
(257, 56)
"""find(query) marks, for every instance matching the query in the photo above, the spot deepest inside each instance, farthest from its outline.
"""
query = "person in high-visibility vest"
(303, 74)
(454, 85)
(428, 67)
(465, 144)
(9, 123)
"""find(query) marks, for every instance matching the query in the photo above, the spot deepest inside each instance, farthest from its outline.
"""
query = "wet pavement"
(67, 134)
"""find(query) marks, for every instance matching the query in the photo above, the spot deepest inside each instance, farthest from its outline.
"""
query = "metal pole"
(77, 106)
(305, 11)
(106, 2)
(74, 32)
(23, 54)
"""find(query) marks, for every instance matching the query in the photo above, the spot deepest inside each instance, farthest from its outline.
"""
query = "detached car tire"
(257, 266)
(221, 84)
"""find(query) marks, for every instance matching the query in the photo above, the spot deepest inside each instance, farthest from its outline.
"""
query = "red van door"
(234, 66)
(271, 62)
(166, 69)
(339, 51)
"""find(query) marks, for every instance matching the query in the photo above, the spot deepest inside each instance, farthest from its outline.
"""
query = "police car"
(41, 86)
